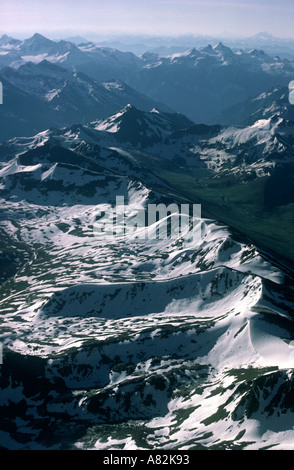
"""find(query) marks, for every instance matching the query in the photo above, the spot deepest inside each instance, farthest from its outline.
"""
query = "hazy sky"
(155, 17)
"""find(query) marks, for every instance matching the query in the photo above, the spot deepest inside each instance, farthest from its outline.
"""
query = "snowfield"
(193, 348)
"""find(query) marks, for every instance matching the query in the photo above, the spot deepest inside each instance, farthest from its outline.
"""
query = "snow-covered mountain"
(100, 63)
(199, 83)
(38, 96)
(159, 140)
(274, 101)
(9, 41)
(255, 150)
(192, 346)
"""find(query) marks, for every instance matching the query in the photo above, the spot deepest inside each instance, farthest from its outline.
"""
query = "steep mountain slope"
(38, 96)
(272, 102)
(9, 41)
(100, 63)
(244, 177)
(241, 176)
(22, 113)
(141, 128)
(214, 79)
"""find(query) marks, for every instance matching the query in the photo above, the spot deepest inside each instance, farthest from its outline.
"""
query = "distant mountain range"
(44, 94)
(200, 83)
(284, 47)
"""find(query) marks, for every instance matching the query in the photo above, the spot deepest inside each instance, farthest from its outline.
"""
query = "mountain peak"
(39, 38)
(223, 49)
(129, 108)
(5, 39)
(194, 52)
(36, 43)
(28, 67)
(143, 128)
(208, 49)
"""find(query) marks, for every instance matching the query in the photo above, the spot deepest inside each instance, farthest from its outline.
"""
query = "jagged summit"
(50, 66)
(193, 53)
(208, 49)
(191, 90)
(141, 127)
(223, 49)
(6, 40)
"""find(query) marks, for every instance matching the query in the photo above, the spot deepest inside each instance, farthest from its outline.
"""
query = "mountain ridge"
(199, 95)
(234, 172)
(59, 98)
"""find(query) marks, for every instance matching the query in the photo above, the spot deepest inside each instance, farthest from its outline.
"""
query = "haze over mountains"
(166, 45)
(198, 83)
(114, 342)
(38, 96)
